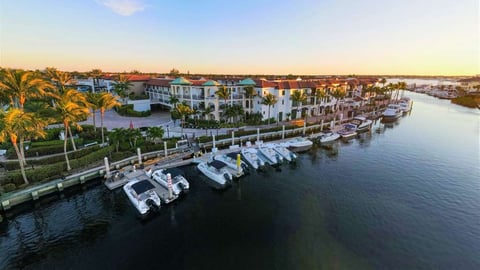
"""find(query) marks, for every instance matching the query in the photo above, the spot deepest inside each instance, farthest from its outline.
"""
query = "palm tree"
(122, 86)
(155, 132)
(338, 94)
(70, 108)
(183, 110)
(60, 78)
(96, 74)
(250, 93)
(383, 81)
(106, 102)
(206, 112)
(173, 100)
(116, 136)
(320, 94)
(223, 93)
(269, 100)
(132, 134)
(298, 97)
(19, 85)
(16, 125)
(94, 99)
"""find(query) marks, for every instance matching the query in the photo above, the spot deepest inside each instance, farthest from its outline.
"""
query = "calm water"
(405, 196)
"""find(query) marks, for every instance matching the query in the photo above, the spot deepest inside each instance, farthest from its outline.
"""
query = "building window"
(283, 92)
(258, 102)
(283, 101)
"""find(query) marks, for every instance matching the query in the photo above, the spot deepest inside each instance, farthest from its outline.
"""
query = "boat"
(251, 156)
(142, 195)
(392, 113)
(230, 160)
(269, 154)
(362, 123)
(348, 131)
(328, 137)
(284, 152)
(216, 170)
(405, 104)
(178, 182)
(298, 144)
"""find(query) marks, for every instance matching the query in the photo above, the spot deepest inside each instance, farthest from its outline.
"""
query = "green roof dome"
(246, 81)
(181, 81)
(211, 83)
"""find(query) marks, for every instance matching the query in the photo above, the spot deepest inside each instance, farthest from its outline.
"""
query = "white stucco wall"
(140, 105)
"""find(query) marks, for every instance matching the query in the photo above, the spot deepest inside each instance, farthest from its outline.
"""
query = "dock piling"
(233, 137)
(321, 125)
(169, 180)
(283, 132)
(107, 167)
(239, 164)
(165, 148)
(139, 154)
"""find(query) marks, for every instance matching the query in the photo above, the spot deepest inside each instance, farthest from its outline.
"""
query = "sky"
(377, 37)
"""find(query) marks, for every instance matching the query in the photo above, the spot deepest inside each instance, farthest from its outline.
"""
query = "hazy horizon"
(264, 37)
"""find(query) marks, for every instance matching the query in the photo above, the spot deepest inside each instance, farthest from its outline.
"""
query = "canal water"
(405, 196)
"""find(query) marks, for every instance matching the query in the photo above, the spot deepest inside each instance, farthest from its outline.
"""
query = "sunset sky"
(421, 37)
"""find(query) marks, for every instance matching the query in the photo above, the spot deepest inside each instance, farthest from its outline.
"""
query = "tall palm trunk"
(268, 121)
(94, 124)
(71, 138)
(102, 113)
(22, 151)
(20, 161)
(65, 146)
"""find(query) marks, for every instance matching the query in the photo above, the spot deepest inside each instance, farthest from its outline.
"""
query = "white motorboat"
(251, 156)
(298, 144)
(362, 123)
(392, 113)
(230, 160)
(405, 104)
(215, 170)
(142, 195)
(284, 152)
(178, 181)
(270, 155)
(328, 137)
(348, 131)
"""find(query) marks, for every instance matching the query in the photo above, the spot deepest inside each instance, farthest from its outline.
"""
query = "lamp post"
(168, 132)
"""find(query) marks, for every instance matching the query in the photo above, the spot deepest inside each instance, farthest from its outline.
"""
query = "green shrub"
(9, 187)
(467, 101)
(127, 110)
(78, 141)
(13, 165)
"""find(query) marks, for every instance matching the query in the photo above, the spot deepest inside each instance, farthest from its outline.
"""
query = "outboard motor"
(227, 177)
(245, 168)
(151, 204)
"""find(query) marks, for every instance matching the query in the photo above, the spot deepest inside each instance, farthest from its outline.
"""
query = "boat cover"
(173, 172)
(232, 155)
(142, 186)
(217, 164)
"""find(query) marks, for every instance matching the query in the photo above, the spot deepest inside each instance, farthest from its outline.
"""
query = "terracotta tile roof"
(264, 84)
(198, 82)
(138, 78)
(160, 82)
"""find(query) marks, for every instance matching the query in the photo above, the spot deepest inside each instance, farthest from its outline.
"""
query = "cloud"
(123, 7)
